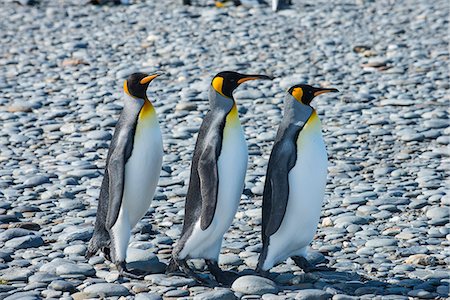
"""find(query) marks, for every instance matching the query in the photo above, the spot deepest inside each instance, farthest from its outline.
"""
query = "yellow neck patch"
(217, 84)
(297, 93)
(233, 116)
(147, 110)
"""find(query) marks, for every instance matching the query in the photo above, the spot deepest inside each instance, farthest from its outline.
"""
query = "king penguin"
(217, 178)
(132, 171)
(295, 182)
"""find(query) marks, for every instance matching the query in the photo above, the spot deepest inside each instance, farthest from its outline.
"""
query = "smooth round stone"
(172, 281)
(380, 242)
(438, 213)
(75, 249)
(61, 285)
(147, 296)
(15, 274)
(230, 259)
(221, 294)
(254, 285)
(24, 242)
(36, 180)
(106, 290)
(176, 293)
(421, 294)
(344, 297)
(11, 233)
(403, 268)
(144, 260)
(43, 277)
(99, 135)
(28, 295)
(74, 269)
(312, 294)
(351, 220)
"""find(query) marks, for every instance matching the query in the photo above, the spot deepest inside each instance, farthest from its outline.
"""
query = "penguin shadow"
(334, 281)
(351, 283)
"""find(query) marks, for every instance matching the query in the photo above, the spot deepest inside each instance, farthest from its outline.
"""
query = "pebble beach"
(384, 226)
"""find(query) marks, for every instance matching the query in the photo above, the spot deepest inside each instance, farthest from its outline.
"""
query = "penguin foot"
(188, 271)
(124, 272)
(173, 268)
(89, 254)
(225, 278)
(262, 273)
(307, 267)
(107, 253)
(180, 267)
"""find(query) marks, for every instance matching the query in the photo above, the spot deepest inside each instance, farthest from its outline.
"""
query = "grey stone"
(148, 296)
(380, 242)
(74, 269)
(221, 294)
(15, 274)
(28, 295)
(62, 285)
(175, 281)
(106, 290)
(438, 213)
(144, 260)
(36, 180)
(11, 233)
(311, 294)
(24, 242)
(254, 285)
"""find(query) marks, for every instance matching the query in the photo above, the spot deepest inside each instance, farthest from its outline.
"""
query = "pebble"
(175, 281)
(254, 285)
(148, 296)
(61, 285)
(380, 242)
(24, 242)
(310, 294)
(106, 290)
(221, 294)
(144, 260)
(74, 269)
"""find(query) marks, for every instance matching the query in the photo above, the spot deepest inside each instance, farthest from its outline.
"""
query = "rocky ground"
(384, 224)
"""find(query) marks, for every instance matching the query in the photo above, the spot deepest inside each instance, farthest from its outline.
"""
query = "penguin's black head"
(305, 93)
(137, 83)
(226, 82)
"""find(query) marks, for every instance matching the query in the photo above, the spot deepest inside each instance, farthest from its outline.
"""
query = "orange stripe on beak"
(323, 91)
(247, 79)
(149, 78)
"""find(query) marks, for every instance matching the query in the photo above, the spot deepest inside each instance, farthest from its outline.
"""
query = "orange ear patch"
(125, 88)
(297, 93)
(217, 84)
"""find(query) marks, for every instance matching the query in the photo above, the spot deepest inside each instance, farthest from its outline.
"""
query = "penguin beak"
(149, 78)
(319, 91)
(253, 77)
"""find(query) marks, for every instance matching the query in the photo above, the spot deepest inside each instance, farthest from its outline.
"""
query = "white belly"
(307, 180)
(232, 166)
(142, 171)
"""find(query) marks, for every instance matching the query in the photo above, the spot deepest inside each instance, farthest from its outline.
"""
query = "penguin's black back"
(193, 205)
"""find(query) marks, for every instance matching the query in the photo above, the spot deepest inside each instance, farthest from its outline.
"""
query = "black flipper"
(276, 188)
(209, 180)
(122, 141)
(121, 146)
(201, 198)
